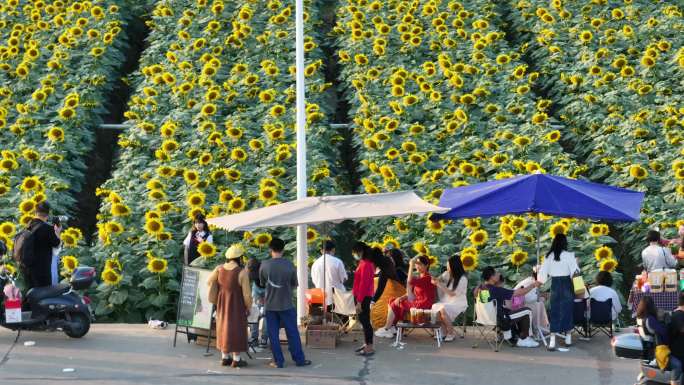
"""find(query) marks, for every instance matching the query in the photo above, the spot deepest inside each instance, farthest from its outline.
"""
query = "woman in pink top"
(363, 293)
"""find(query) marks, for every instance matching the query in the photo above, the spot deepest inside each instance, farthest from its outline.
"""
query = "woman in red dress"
(424, 292)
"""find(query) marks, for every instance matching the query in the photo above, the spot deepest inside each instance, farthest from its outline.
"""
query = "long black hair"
(559, 244)
(457, 271)
(646, 307)
(362, 250)
(397, 257)
(201, 219)
(384, 263)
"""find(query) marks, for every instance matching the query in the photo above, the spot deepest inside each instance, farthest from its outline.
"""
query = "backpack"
(23, 251)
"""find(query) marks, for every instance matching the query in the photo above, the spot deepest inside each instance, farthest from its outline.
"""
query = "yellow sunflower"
(261, 240)
(113, 264)
(311, 235)
(7, 229)
(157, 265)
(608, 264)
(479, 238)
(154, 226)
(206, 249)
(469, 261)
(518, 258)
(596, 230)
(120, 210)
(236, 204)
(638, 172)
(558, 228)
(603, 252)
(110, 277)
(70, 263)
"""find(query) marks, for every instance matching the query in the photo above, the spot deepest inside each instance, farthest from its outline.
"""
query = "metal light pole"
(302, 252)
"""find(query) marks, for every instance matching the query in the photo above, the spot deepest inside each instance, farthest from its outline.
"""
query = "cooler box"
(12, 311)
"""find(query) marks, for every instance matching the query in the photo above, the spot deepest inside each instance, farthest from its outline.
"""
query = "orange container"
(315, 296)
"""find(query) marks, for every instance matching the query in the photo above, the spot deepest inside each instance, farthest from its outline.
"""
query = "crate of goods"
(321, 336)
(656, 279)
(202, 336)
(670, 281)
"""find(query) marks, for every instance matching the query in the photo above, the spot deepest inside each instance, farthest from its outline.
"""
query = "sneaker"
(385, 333)
(527, 343)
(568, 339)
(449, 338)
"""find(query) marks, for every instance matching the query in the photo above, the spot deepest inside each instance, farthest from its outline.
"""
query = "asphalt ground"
(135, 354)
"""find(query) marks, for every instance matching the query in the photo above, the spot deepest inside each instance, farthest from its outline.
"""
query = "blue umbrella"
(542, 193)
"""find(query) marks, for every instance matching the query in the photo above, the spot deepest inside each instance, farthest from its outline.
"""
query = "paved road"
(134, 354)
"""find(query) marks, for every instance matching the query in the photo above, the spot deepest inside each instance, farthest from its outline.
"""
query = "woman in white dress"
(452, 286)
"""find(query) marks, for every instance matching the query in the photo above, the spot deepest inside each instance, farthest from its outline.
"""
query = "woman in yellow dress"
(389, 283)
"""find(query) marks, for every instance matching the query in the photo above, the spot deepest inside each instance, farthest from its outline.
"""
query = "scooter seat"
(37, 293)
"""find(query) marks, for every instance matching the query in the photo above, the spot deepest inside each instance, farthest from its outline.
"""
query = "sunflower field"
(440, 94)
(461, 111)
(212, 132)
(57, 61)
(614, 70)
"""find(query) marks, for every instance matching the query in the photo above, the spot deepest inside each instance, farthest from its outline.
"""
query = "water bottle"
(681, 280)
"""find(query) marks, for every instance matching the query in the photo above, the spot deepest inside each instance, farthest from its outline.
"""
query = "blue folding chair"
(601, 317)
(580, 318)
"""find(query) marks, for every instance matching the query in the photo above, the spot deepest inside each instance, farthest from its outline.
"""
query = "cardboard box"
(321, 336)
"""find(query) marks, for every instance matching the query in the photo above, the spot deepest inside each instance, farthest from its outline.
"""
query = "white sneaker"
(527, 343)
(568, 339)
(384, 333)
(449, 338)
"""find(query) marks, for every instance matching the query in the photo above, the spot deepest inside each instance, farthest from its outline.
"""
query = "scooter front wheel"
(78, 326)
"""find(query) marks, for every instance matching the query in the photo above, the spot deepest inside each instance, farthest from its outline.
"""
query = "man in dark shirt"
(521, 317)
(279, 276)
(676, 331)
(45, 237)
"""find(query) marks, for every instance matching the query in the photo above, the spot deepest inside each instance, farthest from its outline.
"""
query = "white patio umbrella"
(331, 209)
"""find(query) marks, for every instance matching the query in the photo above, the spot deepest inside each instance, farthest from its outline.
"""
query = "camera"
(58, 220)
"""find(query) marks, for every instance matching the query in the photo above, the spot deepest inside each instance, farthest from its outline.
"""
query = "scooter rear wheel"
(78, 326)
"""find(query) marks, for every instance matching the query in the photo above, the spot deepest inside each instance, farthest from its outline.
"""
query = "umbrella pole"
(538, 238)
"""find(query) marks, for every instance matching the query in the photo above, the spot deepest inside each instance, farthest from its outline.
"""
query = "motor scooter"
(56, 307)
(628, 345)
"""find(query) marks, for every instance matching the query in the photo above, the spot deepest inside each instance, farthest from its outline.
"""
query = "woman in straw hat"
(233, 298)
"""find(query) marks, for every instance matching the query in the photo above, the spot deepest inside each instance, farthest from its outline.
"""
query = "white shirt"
(603, 293)
(335, 275)
(565, 267)
(186, 241)
(532, 296)
(656, 257)
(459, 292)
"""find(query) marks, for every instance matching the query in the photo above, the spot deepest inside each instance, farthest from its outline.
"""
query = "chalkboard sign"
(194, 309)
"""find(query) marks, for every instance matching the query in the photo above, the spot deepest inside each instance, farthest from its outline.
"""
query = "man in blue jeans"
(279, 277)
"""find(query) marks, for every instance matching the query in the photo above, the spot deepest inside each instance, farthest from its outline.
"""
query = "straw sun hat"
(235, 251)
